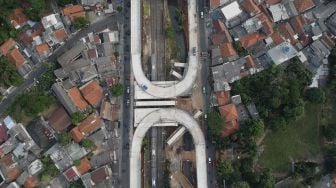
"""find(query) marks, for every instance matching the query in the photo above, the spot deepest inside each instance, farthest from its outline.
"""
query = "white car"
(209, 160)
(128, 89)
(203, 90)
(202, 14)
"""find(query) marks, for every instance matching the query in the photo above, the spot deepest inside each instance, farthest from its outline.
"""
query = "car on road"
(209, 160)
(127, 102)
(203, 90)
(202, 15)
(128, 89)
(194, 50)
(205, 116)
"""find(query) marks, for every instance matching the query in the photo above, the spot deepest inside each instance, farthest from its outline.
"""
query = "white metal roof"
(231, 10)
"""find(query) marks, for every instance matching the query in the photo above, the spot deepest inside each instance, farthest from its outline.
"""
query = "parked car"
(194, 50)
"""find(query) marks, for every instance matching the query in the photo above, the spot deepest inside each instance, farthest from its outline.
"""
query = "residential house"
(59, 120)
(64, 98)
(71, 12)
(9, 168)
(43, 50)
(302, 6)
(278, 12)
(282, 52)
(99, 177)
(235, 70)
(86, 127)
(92, 92)
(77, 99)
(63, 157)
(106, 111)
(230, 114)
(228, 52)
(10, 49)
(71, 55)
(18, 18)
(41, 133)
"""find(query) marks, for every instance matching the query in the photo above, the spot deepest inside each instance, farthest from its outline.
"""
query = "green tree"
(88, 144)
(216, 123)
(77, 162)
(119, 8)
(169, 32)
(8, 74)
(254, 128)
(64, 2)
(77, 117)
(224, 168)
(117, 89)
(34, 102)
(64, 139)
(315, 95)
(76, 184)
(35, 11)
(81, 22)
(49, 169)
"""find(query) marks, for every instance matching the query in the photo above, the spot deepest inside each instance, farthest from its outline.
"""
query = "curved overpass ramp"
(171, 91)
(156, 117)
(187, 83)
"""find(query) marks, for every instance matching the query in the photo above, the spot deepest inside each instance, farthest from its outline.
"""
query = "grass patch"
(146, 10)
(300, 140)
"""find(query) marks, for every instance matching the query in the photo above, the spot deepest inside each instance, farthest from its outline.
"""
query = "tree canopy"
(117, 89)
(64, 138)
(36, 9)
(88, 144)
(315, 95)
(277, 92)
(8, 74)
(81, 22)
(77, 117)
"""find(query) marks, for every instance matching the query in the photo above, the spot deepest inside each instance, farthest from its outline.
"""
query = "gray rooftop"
(70, 55)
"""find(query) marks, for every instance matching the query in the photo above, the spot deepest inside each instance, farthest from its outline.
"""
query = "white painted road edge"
(168, 114)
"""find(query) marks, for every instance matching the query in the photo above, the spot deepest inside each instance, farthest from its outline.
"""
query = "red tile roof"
(42, 48)
(60, 34)
(251, 39)
(31, 182)
(71, 174)
(92, 92)
(219, 26)
(277, 39)
(223, 97)
(288, 33)
(86, 127)
(328, 41)
(76, 135)
(298, 23)
(59, 120)
(72, 9)
(214, 3)
(92, 53)
(249, 62)
(272, 2)
(227, 50)
(229, 112)
(77, 98)
(17, 17)
(303, 5)
(84, 166)
(16, 58)
(218, 38)
(267, 24)
(7, 46)
(99, 175)
(251, 7)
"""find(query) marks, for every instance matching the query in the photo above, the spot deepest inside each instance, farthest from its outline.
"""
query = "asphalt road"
(110, 22)
(157, 73)
(127, 115)
(205, 60)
